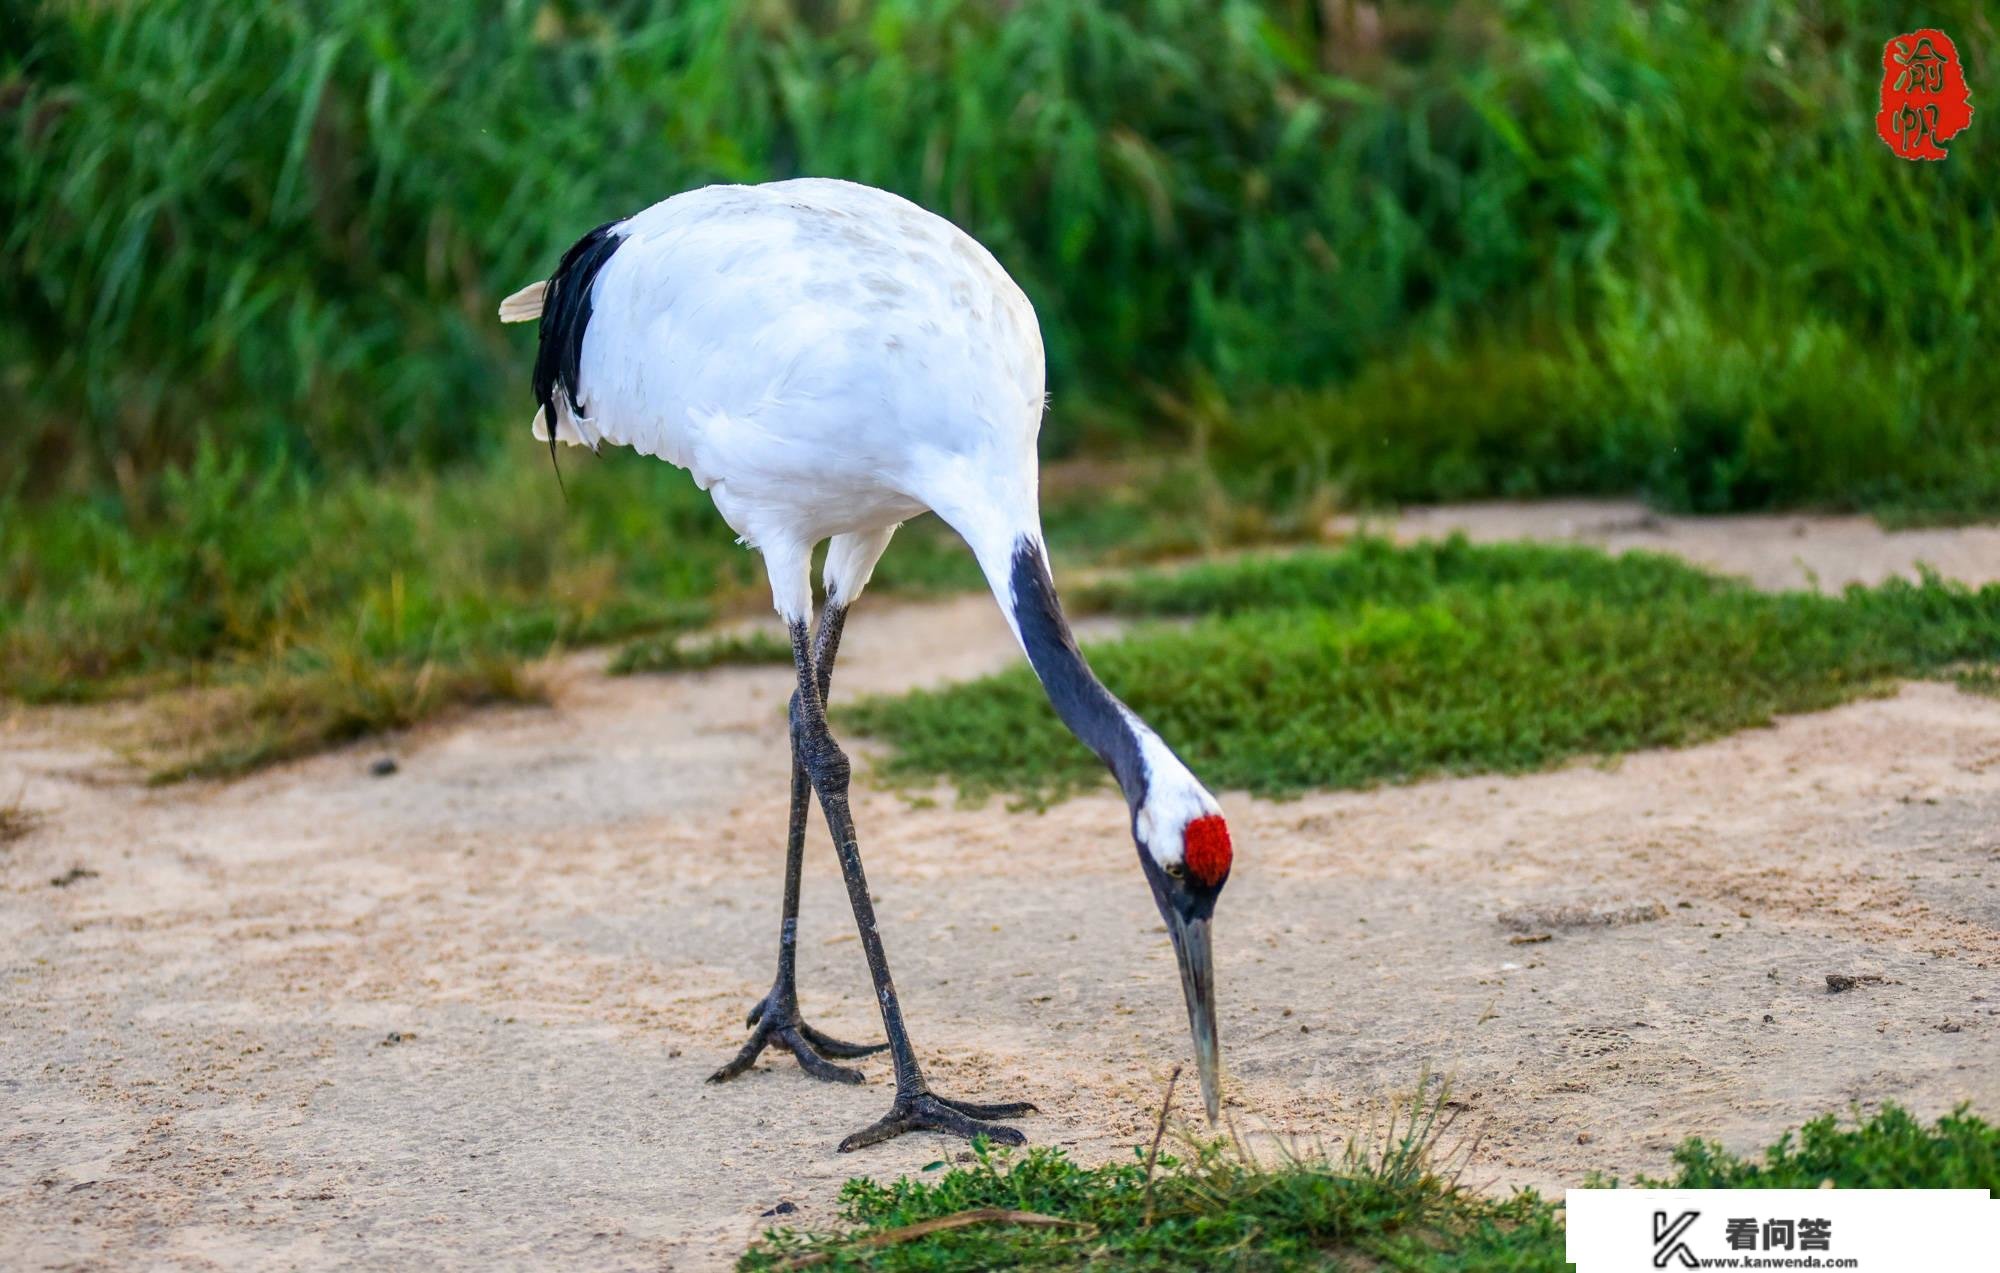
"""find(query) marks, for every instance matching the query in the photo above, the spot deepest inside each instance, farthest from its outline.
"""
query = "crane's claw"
(827, 1045)
(924, 1111)
(810, 1046)
(999, 1109)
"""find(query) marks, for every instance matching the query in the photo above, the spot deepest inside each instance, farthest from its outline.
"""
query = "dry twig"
(1153, 1154)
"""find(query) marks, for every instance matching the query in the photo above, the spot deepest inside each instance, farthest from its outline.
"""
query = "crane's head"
(1184, 849)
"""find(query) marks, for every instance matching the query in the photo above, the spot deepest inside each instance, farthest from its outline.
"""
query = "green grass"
(1383, 664)
(232, 567)
(228, 564)
(673, 654)
(1980, 680)
(248, 723)
(1890, 1151)
(1483, 248)
(1394, 1204)
(312, 612)
(1764, 413)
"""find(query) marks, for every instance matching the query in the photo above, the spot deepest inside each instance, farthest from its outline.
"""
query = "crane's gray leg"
(916, 1107)
(776, 1016)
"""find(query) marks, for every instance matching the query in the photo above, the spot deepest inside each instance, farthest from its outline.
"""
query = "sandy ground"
(1772, 551)
(460, 1016)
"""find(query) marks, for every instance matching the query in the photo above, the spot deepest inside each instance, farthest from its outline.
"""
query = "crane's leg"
(916, 1107)
(776, 1016)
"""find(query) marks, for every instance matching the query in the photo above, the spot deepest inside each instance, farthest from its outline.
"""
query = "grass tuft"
(230, 730)
(668, 654)
(1892, 1150)
(1392, 1202)
(17, 819)
(1377, 663)
(1393, 1196)
(1979, 680)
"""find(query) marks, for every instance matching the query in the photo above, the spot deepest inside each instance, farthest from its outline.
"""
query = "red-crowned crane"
(829, 360)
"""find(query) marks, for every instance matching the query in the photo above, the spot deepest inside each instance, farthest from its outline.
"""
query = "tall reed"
(285, 227)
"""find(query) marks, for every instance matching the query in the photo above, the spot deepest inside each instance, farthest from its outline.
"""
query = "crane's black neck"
(1092, 713)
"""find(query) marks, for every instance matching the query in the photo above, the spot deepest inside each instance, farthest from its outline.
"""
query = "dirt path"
(459, 1017)
(1772, 551)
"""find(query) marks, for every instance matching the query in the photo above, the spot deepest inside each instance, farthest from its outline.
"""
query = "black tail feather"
(565, 318)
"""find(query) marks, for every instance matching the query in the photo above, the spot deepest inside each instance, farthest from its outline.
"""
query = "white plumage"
(826, 360)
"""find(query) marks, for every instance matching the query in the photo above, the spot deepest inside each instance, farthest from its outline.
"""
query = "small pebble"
(383, 766)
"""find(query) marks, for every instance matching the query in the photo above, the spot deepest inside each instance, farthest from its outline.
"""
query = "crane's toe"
(925, 1111)
(827, 1045)
(813, 1063)
(999, 1109)
(811, 1046)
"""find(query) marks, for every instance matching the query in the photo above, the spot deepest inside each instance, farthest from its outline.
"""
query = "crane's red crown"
(1205, 849)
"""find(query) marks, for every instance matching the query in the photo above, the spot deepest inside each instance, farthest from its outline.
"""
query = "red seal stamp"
(1925, 100)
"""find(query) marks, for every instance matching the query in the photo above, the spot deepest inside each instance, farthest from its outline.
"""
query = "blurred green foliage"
(231, 566)
(1415, 249)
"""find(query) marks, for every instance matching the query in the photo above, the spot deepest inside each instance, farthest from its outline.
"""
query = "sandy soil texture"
(460, 1016)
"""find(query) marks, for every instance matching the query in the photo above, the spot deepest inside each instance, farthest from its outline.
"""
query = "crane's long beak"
(1198, 981)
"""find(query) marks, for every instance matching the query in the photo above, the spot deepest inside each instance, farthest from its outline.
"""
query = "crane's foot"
(812, 1048)
(926, 1111)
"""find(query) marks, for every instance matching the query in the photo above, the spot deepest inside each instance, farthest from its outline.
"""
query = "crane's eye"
(1175, 870)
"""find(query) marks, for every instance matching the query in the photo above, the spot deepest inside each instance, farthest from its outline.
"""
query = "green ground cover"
(1395, 1204)
(313, 612)
(1376, 663)
(677, 654)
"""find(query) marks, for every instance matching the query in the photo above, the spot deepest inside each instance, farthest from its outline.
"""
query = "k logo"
(1667, 1239)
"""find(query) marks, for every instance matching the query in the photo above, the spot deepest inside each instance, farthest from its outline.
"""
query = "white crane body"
(827, 361)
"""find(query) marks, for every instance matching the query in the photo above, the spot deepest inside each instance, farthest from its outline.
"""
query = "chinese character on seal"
(1925, 100)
